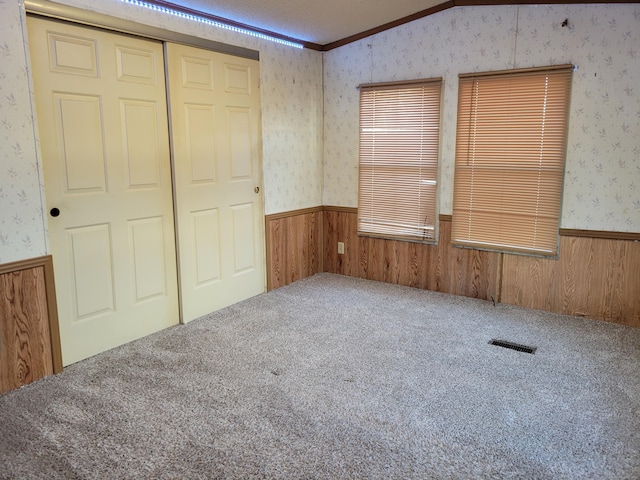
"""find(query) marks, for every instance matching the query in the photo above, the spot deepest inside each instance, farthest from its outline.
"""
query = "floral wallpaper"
(310, 105)
(291, 96)
(22, 232)
(602, 176)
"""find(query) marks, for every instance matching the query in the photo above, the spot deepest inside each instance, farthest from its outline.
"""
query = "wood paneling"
(339, 226)
(29, 336)
(442, 268)
(595, 277)
(592, 277)
(294, 245)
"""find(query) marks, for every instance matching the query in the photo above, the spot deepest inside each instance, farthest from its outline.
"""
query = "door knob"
(257, 189)
(54, 212)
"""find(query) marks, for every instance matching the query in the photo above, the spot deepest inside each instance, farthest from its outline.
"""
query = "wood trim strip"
(455, 3)
(443, 217)
(565, 232)
(569, 232)
(321, 242)
(292, 213)
(387, 26)
(24, 264)
(330, 208)
(267, 253)
(52, 311)
(46, 262)
(474, 3)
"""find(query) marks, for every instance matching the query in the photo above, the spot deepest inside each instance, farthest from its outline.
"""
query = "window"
(510, 155)
(399, 143)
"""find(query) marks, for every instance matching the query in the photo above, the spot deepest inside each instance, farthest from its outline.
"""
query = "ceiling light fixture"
(208, 21)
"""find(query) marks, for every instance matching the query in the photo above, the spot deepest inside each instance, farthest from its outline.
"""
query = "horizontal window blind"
(398, 166)
(510, 157)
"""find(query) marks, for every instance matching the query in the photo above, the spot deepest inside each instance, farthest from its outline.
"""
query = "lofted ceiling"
(326, 24)
(311, 21)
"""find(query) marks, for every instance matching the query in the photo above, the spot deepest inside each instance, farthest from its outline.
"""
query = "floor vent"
(513, 346)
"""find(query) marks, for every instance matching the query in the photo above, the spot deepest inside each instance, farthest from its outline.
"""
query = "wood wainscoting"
(294, 246)
(29, 335)
(441, 268)
(595, 275)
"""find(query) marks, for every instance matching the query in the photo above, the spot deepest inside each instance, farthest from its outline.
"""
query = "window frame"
(481, 136)
(373, 216)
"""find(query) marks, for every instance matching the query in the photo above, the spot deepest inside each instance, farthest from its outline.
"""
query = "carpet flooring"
(333, 378)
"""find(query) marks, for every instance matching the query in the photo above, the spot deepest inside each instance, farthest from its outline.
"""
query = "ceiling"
(311, 21)
(326, 24)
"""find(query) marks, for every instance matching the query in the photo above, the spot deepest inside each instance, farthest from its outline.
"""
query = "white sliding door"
(102, 118)
(215, 117)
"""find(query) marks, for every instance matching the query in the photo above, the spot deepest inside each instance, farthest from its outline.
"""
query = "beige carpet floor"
(334, 377)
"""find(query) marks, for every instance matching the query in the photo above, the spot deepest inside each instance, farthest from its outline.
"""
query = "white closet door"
(102, 119)
(215, 118)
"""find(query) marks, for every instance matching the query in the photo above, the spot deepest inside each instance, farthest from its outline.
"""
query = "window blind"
(510, 157)
(398, 160)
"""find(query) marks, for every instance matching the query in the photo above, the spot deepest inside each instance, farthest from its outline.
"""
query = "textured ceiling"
(320, 22)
